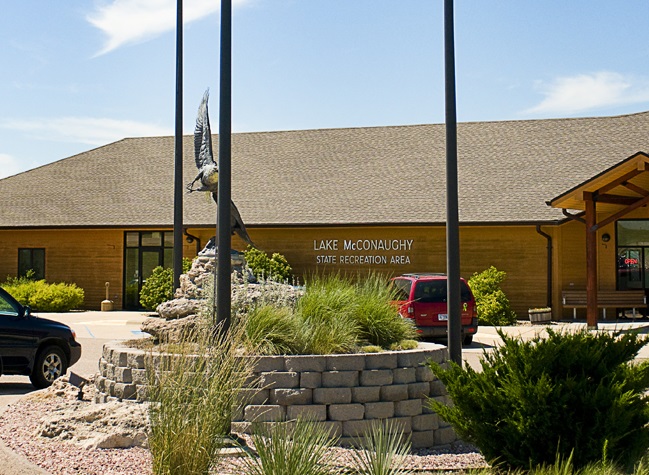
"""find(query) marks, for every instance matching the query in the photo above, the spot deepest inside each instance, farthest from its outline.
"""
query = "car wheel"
(50, 364)
(468, 339)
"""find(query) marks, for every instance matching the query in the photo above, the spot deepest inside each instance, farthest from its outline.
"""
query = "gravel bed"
(19, 431)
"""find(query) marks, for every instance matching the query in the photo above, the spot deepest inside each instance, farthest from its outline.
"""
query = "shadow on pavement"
(15, 388)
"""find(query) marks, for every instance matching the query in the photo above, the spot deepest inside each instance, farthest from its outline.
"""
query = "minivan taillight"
(411, 310)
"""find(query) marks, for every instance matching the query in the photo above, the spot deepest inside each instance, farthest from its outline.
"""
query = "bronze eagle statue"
(208, 172)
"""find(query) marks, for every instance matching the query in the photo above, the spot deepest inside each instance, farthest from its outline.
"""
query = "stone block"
(123, 375)
(407, 408)
(276, 379)
(120, 358)
(345, 362)
(425, 422)
(404, 424)
(253, 396)
(418, 390)
(387, 360)
(124, 391)
(136, 360)
(309, 379)
(424, 374)
(445, 436)
(376, 377)
(366, 394)
(110, 371)
(334, 428)
(379, 410)
(423, 439)
(425, 406)
(287, 397)
(307, 363)
(414, 358)
(356, 428)
(332, 395)
(404, 375)
(437, 388)
(141, 393)
(311, 412)
(266, 364)
(396, 392)
(339, 379)
(346, 412)
(139, 376)
(264, 413)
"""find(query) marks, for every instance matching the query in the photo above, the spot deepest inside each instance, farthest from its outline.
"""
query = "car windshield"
(7, 307)
(401, 288)
(434, 291)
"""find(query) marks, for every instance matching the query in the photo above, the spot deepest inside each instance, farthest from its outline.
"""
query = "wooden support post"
(591, 262)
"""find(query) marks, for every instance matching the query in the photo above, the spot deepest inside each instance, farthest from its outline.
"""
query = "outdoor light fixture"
(606, 237)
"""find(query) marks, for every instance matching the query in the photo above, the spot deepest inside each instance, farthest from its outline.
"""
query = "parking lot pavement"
(487, 338)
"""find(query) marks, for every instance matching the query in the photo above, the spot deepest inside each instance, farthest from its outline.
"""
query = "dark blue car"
(36, 347)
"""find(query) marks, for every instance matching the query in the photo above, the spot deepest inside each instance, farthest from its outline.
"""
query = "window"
(632, 254)
(31, 260)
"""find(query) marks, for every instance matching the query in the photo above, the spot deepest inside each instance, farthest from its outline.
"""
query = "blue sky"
(79, 74)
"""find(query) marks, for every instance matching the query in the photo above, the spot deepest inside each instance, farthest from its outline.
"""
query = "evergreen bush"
(537, 400)
(158, 287)
(275, 267)
(493, 305)
(44, 297)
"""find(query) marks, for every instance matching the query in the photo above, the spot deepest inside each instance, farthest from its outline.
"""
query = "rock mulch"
(63, 435)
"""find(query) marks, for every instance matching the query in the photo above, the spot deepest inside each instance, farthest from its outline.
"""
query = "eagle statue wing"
(203, 136)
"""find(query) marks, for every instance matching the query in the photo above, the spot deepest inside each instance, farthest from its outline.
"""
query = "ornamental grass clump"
(193, 393)
(576, 394)
(330, 315)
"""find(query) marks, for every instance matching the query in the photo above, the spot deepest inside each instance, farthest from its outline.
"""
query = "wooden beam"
(618, 181)
(635, 188)
(614, 217)
(591, 265)
(616, 199)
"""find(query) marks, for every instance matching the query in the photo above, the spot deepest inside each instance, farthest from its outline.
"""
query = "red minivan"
(422, 297)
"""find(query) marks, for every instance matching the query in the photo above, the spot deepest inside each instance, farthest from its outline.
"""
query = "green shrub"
(492, 303)
(263, 267)
(158, 287)
(44, 297)
(534, 401)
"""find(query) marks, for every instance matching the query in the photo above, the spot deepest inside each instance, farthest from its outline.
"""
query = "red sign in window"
(631, 261)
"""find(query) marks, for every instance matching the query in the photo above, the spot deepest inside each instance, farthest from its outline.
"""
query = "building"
(352, 200)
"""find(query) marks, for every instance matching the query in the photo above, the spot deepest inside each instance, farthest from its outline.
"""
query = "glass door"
(143, 252)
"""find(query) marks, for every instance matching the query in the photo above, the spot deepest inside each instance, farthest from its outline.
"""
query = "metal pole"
(452, 220)
(178, 152)
(223, 288)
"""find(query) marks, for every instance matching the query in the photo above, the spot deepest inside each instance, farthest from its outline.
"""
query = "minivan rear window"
(401, 289)
(434, 291)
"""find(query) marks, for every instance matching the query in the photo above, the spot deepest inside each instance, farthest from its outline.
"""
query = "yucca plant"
(382, 450)
(290, 448)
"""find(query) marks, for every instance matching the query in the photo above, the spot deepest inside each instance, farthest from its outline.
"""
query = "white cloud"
(86, 130)
(132, 21)
(9, 165)
(575, 94)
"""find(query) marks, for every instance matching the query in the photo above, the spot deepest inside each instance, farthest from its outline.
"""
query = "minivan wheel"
(50, 364)
(468, 339)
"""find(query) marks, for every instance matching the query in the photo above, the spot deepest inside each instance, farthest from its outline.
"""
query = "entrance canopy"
(613, 193)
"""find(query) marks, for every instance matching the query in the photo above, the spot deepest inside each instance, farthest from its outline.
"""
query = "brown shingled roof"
(375, 175)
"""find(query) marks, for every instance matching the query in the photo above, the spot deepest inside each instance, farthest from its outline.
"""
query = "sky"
(80, 74)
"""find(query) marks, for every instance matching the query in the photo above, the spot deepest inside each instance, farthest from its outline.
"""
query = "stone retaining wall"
(344, 392)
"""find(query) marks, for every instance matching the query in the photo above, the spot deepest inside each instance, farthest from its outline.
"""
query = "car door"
(17, 339)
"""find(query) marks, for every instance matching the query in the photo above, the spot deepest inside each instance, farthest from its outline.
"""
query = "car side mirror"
(27, 311)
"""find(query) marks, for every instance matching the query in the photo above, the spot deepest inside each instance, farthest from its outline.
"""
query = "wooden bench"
(605, 299)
